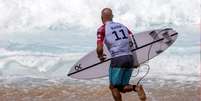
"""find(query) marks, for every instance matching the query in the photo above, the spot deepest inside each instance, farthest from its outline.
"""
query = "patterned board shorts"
(120, 70)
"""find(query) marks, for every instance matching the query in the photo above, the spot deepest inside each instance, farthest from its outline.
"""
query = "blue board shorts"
(120, 71)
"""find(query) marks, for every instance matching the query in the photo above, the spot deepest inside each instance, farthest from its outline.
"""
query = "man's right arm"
(100, 39)
(99, 50)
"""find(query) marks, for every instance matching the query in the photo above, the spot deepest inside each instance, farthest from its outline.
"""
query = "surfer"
(116, 38)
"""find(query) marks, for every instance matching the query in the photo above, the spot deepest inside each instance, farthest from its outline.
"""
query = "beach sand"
(156, 90)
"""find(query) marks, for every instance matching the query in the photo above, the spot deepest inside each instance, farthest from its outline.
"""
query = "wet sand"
(169, 90)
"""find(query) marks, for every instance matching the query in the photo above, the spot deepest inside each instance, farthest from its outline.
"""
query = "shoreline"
(156, 90)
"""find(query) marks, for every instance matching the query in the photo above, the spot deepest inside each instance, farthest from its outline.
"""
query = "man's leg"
(137, 88)
(115, 93)
(125, 80)
(140, 92)
(128, 88)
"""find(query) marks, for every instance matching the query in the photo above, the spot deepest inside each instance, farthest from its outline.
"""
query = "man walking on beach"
(116, 38)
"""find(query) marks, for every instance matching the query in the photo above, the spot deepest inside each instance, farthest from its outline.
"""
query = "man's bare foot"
(140, 91)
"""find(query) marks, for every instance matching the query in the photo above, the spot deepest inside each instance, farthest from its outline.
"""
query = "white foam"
(176, 64)
(20, 15)
(74, 16)
(23, 63)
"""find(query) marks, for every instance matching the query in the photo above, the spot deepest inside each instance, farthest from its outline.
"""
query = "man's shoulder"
(118, 23)
(101, 28)
(123, 26)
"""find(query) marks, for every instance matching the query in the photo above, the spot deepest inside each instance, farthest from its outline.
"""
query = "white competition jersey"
(117, 39)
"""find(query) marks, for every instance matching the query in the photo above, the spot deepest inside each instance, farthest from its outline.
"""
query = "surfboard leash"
(148, 68)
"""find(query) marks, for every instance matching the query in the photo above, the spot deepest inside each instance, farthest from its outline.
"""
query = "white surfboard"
(145, 46)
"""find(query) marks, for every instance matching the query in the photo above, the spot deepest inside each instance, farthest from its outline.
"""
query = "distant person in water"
(116, 37)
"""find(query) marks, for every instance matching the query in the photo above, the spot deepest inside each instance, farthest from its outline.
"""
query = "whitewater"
(41, 39)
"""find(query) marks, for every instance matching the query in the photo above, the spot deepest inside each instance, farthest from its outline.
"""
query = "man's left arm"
(131, 37)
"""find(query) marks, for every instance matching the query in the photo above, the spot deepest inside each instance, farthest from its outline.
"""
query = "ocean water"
(41, 39)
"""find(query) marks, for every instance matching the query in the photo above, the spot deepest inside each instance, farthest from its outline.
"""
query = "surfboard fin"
(159, 51)
(168, 42)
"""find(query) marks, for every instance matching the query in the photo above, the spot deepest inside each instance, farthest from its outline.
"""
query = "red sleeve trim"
(101, 35)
